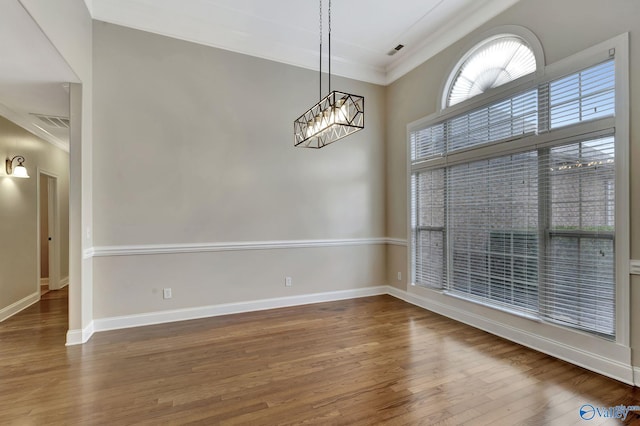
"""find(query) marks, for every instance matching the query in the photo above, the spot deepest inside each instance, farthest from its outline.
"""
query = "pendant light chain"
(320, 67)
(329, 46)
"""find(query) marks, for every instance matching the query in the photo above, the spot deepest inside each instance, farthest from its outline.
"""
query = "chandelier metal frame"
(335, 116)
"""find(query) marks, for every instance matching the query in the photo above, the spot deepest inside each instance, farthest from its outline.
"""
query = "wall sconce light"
(19, 171)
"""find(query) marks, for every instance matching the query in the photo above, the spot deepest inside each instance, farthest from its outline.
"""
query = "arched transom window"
(491, 63)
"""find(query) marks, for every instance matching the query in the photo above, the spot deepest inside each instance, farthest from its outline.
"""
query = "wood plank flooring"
(373, 360)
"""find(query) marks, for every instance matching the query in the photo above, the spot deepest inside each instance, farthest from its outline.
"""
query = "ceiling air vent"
(53, 121)
(395, 50)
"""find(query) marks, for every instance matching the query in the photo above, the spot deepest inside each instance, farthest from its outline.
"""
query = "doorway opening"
(48, 233)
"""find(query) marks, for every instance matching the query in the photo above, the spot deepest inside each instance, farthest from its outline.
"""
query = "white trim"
(594, 362)
(151, 318)
(636, 376)
(87, 253)
(78, 337)
(147, 249)
(64, 282)
(20, 305)
(622, 186)
(397, 242)
(634, 267)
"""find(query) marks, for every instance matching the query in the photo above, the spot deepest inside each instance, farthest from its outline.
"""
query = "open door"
(49, 246)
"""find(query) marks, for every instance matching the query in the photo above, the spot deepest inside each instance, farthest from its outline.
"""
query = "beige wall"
(564, 28)
(194, 145)
(19, 216)
(131, 285)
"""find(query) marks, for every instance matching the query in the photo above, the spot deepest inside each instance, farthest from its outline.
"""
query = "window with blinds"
(530, 231)
(582, 96)
(506, 119)
(579, 257)
(428, 227)
(493, 216)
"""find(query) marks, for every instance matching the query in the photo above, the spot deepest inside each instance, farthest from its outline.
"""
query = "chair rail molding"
(150, 249)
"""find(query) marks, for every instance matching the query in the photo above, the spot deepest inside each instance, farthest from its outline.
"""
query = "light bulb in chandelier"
(341, 111)
(328, 117)
(309, 131)
(319, 126)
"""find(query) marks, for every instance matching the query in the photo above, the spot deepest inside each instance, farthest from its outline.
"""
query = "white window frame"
(612, 358)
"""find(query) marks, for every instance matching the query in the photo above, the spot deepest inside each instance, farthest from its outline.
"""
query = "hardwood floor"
(373, 360)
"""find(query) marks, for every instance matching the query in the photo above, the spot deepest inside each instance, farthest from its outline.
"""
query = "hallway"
(43, 324)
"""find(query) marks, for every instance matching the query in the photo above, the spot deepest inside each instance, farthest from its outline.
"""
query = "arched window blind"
(493, 63)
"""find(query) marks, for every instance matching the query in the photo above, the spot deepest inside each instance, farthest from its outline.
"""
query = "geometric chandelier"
(335, 116)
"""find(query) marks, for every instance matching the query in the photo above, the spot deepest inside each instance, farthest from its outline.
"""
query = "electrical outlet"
(166, 293)
(287, 282)
(399, 276)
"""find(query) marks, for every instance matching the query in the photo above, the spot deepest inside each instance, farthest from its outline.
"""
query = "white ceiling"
(33, 75)
(363, 31)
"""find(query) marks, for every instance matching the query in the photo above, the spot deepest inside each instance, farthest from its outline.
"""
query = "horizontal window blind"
(580, 275)
(429, 142)
(505, 119)
(493, 221)
(509, 118)
(531, 231)
(493, 64)
(582, 96)
(428, 227)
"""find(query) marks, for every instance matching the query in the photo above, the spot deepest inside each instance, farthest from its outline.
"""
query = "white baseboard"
(151, 318)
(594, 362)
(63, 282)
(78, 337)
(18, 306)
(636, 376)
